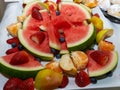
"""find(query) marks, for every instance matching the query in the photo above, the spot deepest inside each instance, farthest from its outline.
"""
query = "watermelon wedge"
(22, 71)
(95, 69)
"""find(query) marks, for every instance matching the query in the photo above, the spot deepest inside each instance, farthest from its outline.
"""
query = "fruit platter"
(58, 44)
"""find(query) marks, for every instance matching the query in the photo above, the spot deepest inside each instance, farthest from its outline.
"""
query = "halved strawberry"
(82, 79)
(20, 58)
(101, 57)
(12, 50)
(12, 84)
(65, 81)
(26, 85)
(38, 37)
(36, 14)
(13, 40)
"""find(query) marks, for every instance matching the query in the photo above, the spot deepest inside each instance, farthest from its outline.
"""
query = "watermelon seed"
(93, 80)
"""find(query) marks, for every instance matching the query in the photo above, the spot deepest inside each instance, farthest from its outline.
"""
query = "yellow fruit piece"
(54, 65)
(90, 3)
(48, 79)
(79, 59)
(48, 3)
(98, 23)
(106, 46)
(20, 18)
(101, 35)
(77, 1)
(13, 28)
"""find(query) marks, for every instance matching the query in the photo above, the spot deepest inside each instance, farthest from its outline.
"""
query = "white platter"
(14, 9)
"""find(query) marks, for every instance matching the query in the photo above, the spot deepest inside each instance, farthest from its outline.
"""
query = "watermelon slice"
(95, 69)
(80, 37)
(31, 26)
(22, 71)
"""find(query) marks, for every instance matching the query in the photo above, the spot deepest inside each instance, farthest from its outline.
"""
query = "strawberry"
(65, 81)
(82, 79)
(36, 14)
(101, 57)
(26, 85)
(13, 40)
(13, 50)
(38, 37)
(20, 58)
(97, 15)
(12, 84)
(58, 1)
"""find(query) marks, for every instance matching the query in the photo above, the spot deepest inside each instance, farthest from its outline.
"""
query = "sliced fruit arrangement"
(63, 30)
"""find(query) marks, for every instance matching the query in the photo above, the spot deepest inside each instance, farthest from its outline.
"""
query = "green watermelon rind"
(42, 55)
(20, 72)
(109, 68)
(30, 4)
(84, 43)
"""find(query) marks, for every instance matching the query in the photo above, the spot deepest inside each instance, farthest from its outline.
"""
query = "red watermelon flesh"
(28, 8)
(54, 36)
(76, 33)
(96, 69)
(32, 62)
(34, 23)
(39, 47)
(73, 12)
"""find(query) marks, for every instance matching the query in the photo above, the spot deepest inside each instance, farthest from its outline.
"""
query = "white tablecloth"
(14, 9)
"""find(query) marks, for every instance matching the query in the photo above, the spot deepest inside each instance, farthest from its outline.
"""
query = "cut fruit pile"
(63, 30)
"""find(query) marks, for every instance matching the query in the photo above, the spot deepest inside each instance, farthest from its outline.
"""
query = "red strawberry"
(13, 50)
(38, 37)
(13, 40)
(101, 57)
(82, 79)
(12, 84)
(97, 15)
(36, 14)
(26, 85)
(58, 1)
(20, 58)
(65, 82)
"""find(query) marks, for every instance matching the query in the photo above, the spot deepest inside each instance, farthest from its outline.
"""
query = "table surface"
(9, 5)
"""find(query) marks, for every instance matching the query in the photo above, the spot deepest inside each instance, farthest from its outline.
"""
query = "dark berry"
(93, 80)
(58, 56)
(62, 39)
(109, 74)
(20, 47)
(13, 45)
(38, 59)
(57, 13)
